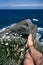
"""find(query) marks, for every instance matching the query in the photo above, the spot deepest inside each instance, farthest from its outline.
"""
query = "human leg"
(34, 52)
(28, 59)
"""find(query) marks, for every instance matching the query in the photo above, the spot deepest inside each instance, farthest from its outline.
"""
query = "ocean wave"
(1, 30)
(39, 35)
(4, 28)
(11, 25)
(40, 29)
(35, 19)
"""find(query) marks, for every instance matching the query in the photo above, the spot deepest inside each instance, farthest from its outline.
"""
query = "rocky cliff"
(13, 40)
(24, 28)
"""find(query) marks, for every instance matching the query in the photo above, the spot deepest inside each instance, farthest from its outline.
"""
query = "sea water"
(11, 16)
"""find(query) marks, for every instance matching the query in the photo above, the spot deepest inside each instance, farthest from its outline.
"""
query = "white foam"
(3, 29)
(14, 24)
(35, 19)
(40, 29)
(38, 36)
(11, 25)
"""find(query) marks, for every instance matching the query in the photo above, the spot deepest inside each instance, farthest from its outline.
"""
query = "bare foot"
(29, 41)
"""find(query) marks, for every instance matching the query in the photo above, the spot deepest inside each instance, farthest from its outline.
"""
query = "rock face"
(24, 28)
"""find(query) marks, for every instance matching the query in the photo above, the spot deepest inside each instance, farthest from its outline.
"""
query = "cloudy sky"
(21, 4)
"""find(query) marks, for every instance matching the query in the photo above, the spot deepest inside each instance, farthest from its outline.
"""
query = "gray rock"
(24, 27)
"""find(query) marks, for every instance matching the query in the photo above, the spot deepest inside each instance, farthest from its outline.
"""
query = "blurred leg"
(28, 60)
(35, 54)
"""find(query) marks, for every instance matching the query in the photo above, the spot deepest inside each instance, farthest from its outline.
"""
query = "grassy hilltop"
(13, 40)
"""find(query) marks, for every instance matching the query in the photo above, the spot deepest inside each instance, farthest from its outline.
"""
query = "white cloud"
(20, 5)
(26, 5)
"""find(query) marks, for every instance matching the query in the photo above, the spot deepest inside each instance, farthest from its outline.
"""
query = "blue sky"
(21, 4)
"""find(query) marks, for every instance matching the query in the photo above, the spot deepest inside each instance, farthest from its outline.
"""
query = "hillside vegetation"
(13, 40)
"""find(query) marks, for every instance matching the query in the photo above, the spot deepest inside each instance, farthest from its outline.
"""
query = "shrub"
(12, 51)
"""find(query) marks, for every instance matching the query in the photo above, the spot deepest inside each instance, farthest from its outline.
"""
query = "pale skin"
(34, 55)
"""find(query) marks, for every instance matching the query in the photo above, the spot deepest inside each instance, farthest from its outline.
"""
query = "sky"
(21, 4)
